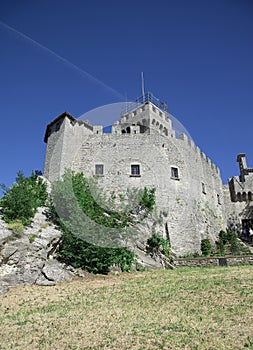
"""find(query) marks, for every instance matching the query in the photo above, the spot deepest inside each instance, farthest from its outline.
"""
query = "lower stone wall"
(214, 261)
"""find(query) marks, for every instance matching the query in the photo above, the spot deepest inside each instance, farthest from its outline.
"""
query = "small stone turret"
(241, 188)
(149, 114)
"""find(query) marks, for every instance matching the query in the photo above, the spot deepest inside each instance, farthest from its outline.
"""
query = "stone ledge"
(214, 261)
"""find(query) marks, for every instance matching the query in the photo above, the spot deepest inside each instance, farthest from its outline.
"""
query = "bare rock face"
(29, 259)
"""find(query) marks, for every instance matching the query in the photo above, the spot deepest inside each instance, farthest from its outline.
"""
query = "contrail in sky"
(64, 60)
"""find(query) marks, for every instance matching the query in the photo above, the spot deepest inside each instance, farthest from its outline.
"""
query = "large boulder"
(30, 259)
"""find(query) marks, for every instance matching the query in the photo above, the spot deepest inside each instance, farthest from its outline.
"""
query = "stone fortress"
(144, 150)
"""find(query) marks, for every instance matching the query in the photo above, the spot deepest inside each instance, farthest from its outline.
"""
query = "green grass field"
(209, 308)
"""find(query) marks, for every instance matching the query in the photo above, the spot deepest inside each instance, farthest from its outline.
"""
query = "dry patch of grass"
(180, 309)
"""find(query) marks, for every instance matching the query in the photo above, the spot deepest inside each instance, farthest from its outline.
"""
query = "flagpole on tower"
(142, 87)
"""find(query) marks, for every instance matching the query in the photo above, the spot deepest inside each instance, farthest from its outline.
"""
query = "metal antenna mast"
(142, 86)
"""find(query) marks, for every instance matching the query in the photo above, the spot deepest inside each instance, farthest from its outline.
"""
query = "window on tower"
(135, 170)
(99, 169)
(174, 173)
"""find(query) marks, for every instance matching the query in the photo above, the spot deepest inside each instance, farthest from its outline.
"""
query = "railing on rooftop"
(147, 97)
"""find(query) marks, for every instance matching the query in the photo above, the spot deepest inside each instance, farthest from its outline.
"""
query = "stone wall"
(214, 261)
(190, 205)
(236, 212)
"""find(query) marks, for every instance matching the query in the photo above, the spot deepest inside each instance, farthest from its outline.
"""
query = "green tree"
(223, 240)
(228, 242)
(91, 229)
(232, 239)
(206, 247)
(22, 199)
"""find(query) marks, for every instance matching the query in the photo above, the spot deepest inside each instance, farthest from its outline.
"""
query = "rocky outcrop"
(30, 258)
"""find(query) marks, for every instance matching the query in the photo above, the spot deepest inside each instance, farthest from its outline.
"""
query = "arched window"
(153, 121)
(244, 196)
(128, 130)
(239, 197)
(123, 131)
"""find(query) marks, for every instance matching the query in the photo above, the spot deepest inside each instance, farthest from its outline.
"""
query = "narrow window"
(135, 170)
(99, 169)
(218, 199)
(239, 197)
(203, 188)
(174, 173)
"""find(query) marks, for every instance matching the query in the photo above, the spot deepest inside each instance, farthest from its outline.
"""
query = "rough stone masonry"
(143, 150)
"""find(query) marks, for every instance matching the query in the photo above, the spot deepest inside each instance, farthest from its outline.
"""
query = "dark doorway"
(247, 223)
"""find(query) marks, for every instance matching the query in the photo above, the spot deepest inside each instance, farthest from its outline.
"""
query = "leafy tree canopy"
(22, 199)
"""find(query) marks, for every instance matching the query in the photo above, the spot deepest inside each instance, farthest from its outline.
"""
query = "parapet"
(56, 124)
(98, 129)
(183, 137)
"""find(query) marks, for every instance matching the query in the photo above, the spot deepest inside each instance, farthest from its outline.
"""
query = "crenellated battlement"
(150, 119)
(189, 143)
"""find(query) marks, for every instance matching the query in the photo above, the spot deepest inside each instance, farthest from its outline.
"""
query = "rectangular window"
(99, 169)
(203, 188)
(135, 170)
(218, 199)
(174, 173)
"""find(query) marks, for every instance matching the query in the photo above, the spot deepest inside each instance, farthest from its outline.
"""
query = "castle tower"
(143, 150)
(146, 115)
(241, 159)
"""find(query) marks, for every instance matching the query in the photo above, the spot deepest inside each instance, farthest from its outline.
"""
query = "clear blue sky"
(197, 55)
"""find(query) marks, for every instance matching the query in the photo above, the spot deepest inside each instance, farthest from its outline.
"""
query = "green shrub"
(156, 243)
(80, 254)
(75, 191)
(74, 195)
(32, 238)
(22, 199)
(206, 247)
(17, 228)
(148, 199)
